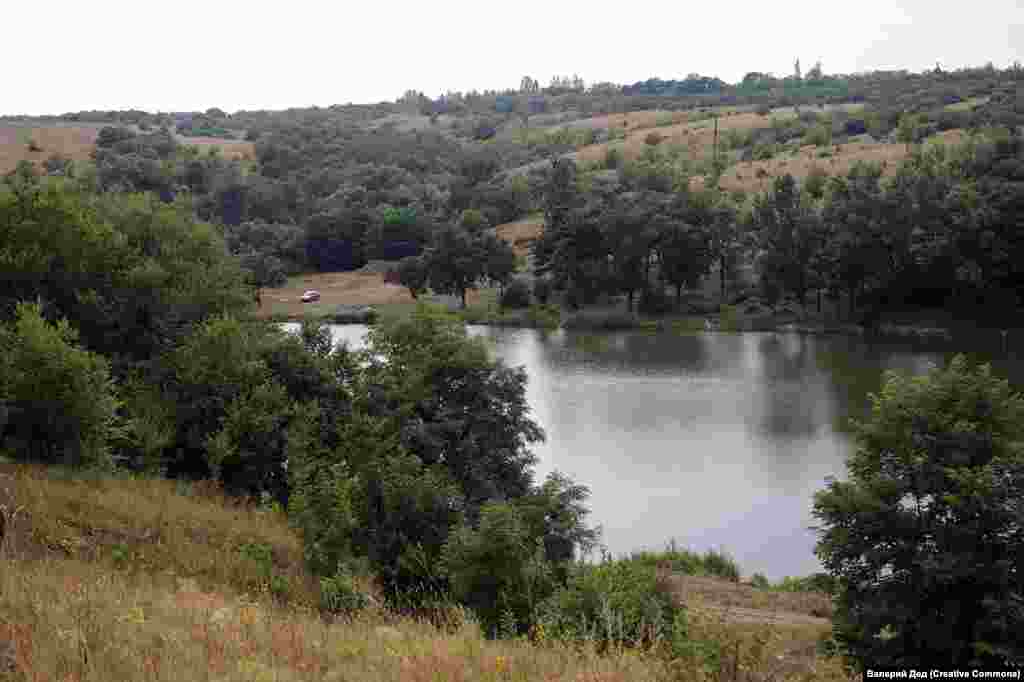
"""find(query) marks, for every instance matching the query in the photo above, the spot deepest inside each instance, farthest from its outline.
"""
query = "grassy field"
(116, 579)
(967, 104)
(697, 136)
(338, 288)
(235, 150)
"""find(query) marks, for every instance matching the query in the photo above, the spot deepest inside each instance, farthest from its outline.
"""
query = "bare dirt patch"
(521, 233)
(73, 142)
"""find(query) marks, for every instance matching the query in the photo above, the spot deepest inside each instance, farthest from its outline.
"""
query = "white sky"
(183, 55)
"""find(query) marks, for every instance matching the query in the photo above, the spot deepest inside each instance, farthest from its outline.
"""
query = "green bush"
(498, 569)
(339, 594)
(516, 294)
(613, 603)
(712, 563)
(56, 398)
(759, 581)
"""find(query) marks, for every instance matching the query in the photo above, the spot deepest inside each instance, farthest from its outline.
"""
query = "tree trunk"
(679, 296)
(463, 299)
(629, 301)
(721, 274)
(819, 301)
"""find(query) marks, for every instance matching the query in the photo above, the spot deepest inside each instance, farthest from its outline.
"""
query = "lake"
(715, 440)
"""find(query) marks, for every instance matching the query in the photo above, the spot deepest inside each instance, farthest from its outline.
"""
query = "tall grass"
(118, 578)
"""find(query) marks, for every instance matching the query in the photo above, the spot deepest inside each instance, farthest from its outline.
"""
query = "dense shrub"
(613, 603)
(498, 569)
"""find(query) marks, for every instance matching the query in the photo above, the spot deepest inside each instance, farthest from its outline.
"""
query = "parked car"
(310, 296)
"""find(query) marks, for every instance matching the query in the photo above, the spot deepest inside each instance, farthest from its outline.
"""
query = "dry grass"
(78, 142)
(521, 233)
(234, 150)
(179, 607)
(336, 288)
(150, 525)
(65, 621)
(749, 603)
(757, 176)
(698, 136)
(74, 142)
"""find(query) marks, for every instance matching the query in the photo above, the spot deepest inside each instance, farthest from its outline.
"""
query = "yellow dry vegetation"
(757, 176)
(73, 142)
(235, 150)
(521, 233)
(697, 136)
(119, 579)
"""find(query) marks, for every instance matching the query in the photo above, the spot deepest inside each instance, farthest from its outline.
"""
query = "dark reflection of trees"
(855, 368)
(632, 353)
(790, 404)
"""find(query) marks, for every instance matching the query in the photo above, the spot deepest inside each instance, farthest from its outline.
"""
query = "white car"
(310, 296)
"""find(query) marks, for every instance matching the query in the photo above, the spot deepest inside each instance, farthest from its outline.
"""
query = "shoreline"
(550, 318)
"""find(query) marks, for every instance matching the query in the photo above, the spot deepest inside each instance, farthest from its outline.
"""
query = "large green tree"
(57, 401)
(927, 535)
(454, 263)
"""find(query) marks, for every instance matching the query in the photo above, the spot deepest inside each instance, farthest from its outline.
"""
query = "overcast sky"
(69, 55)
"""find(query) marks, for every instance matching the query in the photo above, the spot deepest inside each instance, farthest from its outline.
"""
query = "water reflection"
(716, 440)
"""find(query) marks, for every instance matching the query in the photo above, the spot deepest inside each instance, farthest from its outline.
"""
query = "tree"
(684, 255)
(454, 263)
(926, 538)
(413, 274)
(909, 130)
(499, 260)
(58, 400)
(787, 235)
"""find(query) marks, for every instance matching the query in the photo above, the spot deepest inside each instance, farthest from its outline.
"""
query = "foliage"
(613, 603)
(516, 294)
(498, 568)
(413, 273)
(925, 537)
(454, 263)
(57, 401)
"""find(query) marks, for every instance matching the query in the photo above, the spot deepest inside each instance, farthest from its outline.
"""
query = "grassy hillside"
(113, 579)
(37, 143)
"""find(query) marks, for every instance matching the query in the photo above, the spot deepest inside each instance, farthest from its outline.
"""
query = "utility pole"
(716, 143)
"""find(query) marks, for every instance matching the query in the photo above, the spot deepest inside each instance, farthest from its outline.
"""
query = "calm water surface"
(715, 440)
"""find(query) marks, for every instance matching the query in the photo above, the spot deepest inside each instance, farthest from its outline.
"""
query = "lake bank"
(614, 319)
